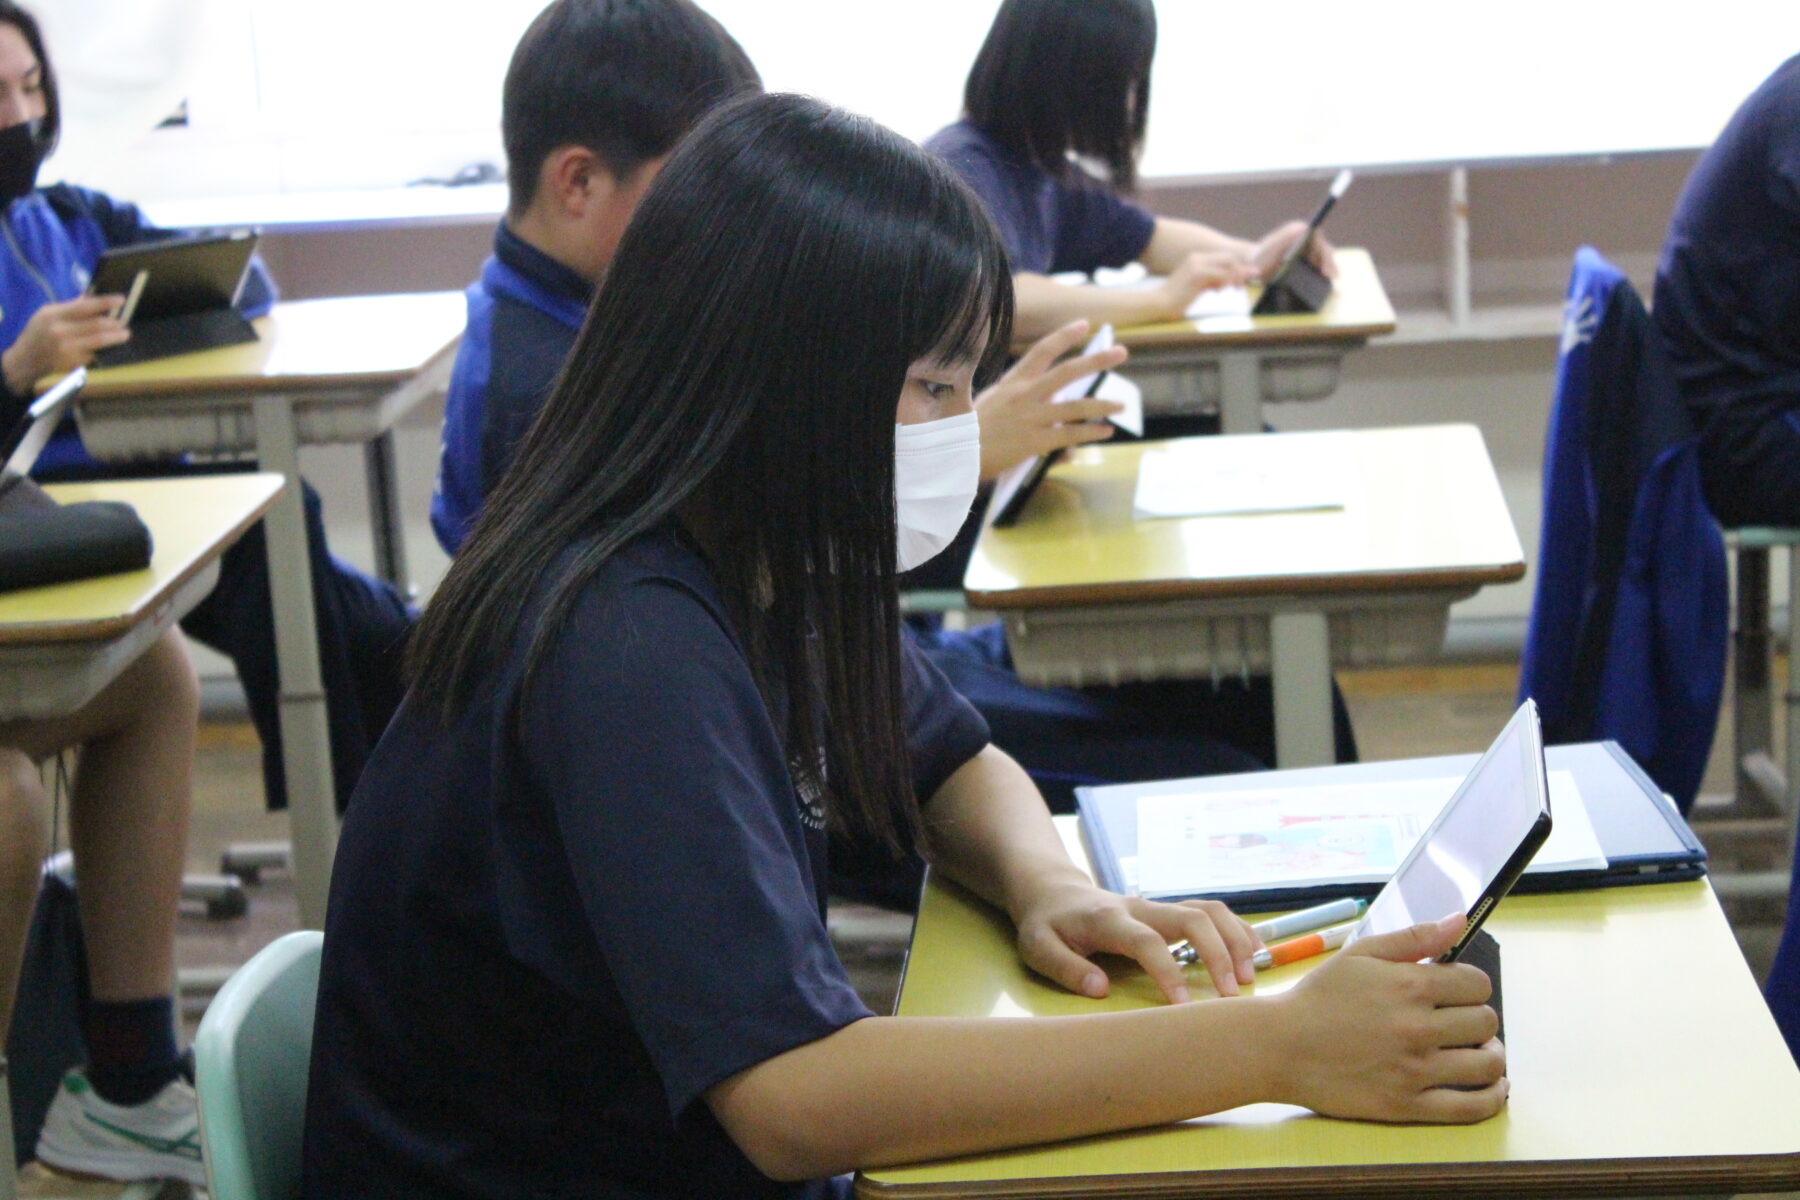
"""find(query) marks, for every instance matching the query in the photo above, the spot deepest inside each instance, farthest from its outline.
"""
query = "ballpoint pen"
(1291, 925)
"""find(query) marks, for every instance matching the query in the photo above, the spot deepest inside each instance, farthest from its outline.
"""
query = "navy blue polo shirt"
(524, 313)
(1049, 223)
(546, 940)
(1728, 285)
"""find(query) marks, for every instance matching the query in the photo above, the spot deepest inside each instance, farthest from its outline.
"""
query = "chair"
(1629, 621)
(251, 1059)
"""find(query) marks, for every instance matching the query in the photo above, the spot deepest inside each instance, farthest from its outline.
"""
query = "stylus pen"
(1303, 947)
(1291, 925)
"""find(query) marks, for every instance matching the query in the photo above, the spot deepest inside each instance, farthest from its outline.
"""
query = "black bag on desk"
(45, 1040)
(42, 542)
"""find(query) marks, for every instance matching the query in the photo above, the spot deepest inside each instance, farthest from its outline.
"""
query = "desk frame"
(271, 418)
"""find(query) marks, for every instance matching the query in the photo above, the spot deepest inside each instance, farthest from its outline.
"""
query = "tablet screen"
(1483, 838)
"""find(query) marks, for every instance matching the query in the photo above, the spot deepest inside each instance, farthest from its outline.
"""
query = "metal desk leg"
(1300, 654)
(1240, 392)
(384, 511)
(305, 735)
(1753, 667)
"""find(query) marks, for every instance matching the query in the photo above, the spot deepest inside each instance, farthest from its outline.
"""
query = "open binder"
(1642, 836)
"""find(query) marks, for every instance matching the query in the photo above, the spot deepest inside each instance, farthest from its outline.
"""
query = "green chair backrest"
(251, 1056)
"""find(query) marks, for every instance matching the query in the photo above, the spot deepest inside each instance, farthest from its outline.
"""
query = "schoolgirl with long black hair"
(576, 943)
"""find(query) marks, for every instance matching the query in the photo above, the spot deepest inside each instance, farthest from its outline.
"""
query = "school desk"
(1091, 594)
(1642, 1059)
(323, 371)
(1236, 362)
(61, 644)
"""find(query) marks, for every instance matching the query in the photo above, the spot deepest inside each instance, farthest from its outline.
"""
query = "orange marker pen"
(1282, 954)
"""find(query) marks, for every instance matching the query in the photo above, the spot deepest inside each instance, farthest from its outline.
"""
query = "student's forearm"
(987, 829)
(894, 1089)
(1042, 305)
(1173, 240)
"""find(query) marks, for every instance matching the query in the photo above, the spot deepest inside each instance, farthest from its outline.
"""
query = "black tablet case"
(1644, 838)
(42, 542)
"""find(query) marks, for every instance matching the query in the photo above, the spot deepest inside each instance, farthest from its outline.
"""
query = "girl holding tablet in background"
(576, 942)
(52, 238)
(1054, 116)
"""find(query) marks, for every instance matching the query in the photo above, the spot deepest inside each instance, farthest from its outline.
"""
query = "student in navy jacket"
(53, 237)
(1062, 78)
(597, 95)
(576, 943)
(1727, 305)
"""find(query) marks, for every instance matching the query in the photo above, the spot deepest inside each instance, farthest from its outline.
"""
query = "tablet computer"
(1014, 489)
(180, 294)
(35, 426)
(1296, 285)
(1481, 842)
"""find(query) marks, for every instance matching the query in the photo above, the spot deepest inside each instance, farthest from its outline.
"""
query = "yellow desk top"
(1641, 1055)
(1423, 509)
(348, 341)
(191, 520)
(1357, 309)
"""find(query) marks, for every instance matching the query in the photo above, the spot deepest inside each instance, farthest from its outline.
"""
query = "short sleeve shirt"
(1049, 223)
(546, 940)
(1728, 284)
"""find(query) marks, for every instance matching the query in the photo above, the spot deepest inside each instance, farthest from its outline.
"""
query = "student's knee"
(167, 674)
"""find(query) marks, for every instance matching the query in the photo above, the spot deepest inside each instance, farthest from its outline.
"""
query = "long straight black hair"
(740, 369)
(1061, 75)
(50, 128)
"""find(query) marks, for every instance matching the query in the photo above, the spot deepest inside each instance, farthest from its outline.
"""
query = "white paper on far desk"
(1214, 477)
(1217, 843)
(1214, 302)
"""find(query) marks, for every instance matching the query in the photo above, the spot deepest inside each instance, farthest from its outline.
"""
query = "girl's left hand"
(1066, 923)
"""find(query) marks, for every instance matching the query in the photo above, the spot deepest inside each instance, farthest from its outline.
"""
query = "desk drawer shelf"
(1111, 645)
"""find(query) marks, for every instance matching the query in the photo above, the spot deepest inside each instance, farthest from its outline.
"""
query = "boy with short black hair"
(596, 96)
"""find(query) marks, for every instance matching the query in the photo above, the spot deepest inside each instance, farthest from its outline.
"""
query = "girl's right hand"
(1377, 1034)
(1202, 271)
(61, 337)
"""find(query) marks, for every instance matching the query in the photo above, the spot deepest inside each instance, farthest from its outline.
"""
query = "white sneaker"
(158, 1139)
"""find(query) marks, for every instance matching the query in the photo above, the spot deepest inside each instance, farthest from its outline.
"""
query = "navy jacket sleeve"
(683, 833)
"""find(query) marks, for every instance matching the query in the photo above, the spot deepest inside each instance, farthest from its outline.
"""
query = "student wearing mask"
(1054, 116)
(53, 236)
(596, 97)
(127, 1113)
(576, 941)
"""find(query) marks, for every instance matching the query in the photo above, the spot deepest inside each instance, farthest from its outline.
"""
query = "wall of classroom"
(1496, 373)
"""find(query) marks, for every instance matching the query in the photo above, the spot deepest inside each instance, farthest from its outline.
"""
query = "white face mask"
(937, 469)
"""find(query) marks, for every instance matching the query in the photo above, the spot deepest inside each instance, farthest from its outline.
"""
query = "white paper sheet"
(1227, 477)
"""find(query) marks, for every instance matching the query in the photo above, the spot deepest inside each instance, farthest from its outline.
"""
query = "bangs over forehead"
(959, 299)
